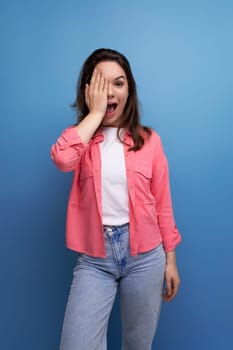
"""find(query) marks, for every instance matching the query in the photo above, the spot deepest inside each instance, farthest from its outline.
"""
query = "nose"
(110, 91)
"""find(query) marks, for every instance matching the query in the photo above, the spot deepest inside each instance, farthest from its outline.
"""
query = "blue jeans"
(139, 280)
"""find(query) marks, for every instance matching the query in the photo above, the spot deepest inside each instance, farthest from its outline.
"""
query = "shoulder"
(155, 135)
(154, 145)
(150, 135)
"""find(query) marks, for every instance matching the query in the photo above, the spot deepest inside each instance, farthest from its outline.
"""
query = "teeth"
(111, 107)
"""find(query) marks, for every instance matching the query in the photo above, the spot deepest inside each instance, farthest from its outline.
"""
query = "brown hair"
(131, 118)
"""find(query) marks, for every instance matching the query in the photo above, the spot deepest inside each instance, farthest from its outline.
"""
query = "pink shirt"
(150, 208)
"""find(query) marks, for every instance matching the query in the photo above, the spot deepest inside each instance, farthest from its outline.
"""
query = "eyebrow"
(121, 76)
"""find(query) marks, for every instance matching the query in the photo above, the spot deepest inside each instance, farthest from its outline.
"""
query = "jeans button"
(109, 231)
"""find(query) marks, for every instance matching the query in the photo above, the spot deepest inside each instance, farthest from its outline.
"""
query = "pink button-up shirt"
(150, 208)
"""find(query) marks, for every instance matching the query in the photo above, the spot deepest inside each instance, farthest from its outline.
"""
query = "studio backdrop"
(181, 56)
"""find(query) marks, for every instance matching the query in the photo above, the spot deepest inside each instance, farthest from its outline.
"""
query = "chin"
(110, 122)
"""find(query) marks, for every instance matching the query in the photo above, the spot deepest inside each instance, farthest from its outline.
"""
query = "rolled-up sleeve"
(160, 187)
(68, 149)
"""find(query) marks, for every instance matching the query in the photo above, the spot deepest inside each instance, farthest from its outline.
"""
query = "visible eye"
(119, 83)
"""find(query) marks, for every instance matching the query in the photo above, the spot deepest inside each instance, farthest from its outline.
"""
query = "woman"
(119, 217)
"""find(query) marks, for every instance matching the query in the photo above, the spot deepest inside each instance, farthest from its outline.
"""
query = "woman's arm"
(67, 151)
(171, 237)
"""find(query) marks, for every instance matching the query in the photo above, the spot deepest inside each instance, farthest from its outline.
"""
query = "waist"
(116, 226)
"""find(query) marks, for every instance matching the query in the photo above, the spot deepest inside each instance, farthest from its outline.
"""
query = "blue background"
(181, 55)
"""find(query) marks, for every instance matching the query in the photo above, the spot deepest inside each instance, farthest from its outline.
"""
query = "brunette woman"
(119, 218)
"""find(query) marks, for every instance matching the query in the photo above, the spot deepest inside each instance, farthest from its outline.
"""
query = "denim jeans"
(139, 280)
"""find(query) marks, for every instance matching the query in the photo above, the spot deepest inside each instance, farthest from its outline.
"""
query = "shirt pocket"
(142, 181)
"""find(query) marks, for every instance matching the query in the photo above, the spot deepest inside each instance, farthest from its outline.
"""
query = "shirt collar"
(99, 137)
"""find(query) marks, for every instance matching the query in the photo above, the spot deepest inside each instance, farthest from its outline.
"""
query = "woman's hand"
(172, 279)
(96, 96)
(96, 93)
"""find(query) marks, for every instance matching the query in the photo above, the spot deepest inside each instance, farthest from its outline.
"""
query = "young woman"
(119, 217)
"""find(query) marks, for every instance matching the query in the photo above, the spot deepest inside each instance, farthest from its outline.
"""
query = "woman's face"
(117, 91)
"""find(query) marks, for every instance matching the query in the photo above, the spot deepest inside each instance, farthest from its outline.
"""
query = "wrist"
(97, 115)
(171, 257)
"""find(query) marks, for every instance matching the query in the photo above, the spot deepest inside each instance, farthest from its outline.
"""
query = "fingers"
(96, 93)
(98, 82)
(102, 82)
(172, 280)
(167, 292)
(171, 289)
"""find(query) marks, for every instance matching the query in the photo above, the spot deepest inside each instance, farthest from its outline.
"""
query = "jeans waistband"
(117, 226)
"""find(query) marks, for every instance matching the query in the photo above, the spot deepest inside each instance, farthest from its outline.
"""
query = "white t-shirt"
(115, 208)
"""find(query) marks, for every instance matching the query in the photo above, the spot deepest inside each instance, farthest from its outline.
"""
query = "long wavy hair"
(131, 117)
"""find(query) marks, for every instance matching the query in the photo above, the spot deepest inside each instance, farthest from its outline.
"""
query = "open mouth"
(111, 107)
